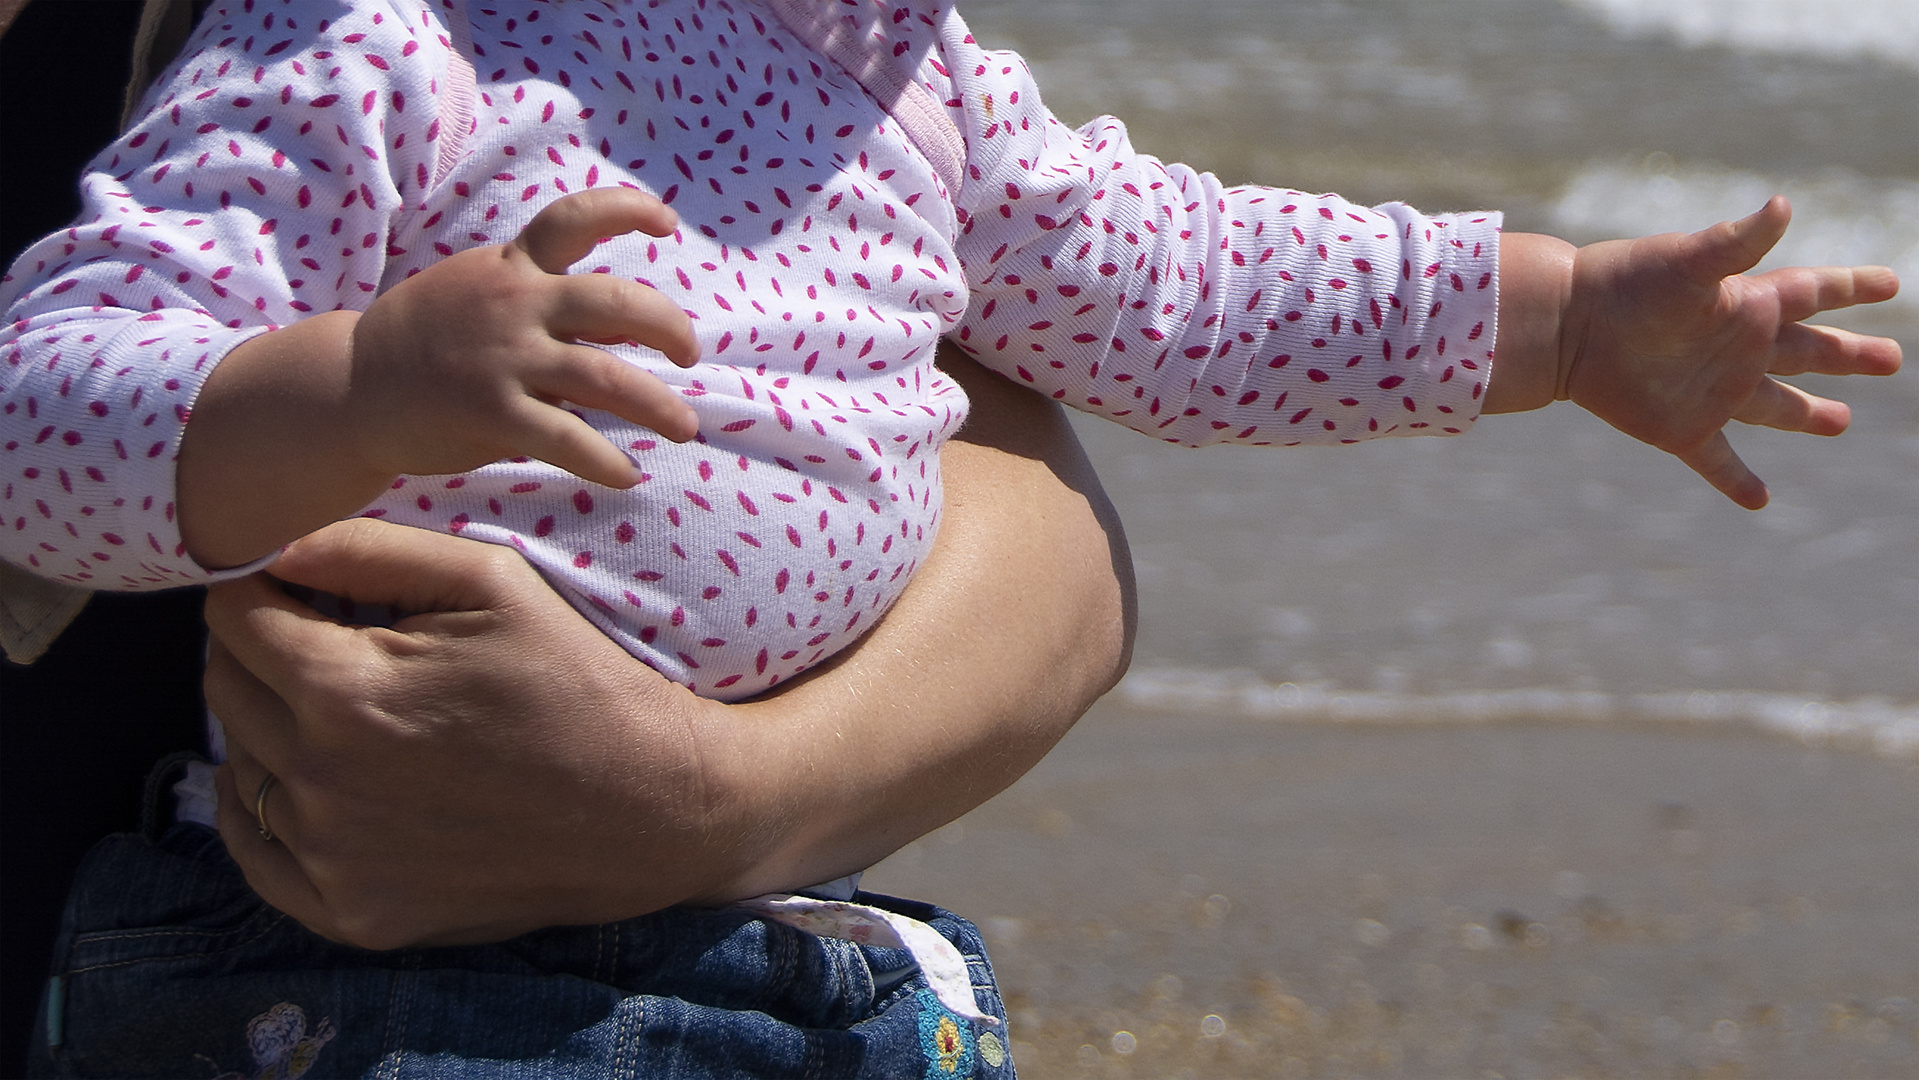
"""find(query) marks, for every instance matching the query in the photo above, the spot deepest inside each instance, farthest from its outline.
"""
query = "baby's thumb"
(1734, 247)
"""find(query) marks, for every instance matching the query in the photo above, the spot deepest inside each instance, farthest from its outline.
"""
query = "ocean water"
(1522, 753)
(1542, 566)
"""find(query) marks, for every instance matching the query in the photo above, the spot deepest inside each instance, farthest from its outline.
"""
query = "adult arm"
(1023, 617)
(498, 765)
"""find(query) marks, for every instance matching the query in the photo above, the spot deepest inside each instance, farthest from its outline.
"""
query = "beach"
(1521, 753)
(1208, 896)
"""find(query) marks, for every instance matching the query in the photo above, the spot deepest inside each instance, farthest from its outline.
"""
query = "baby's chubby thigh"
(768, 543)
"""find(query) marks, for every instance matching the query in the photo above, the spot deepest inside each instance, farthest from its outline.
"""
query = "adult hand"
(469, 774)
(498, 765)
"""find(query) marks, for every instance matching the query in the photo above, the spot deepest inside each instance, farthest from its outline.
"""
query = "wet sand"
(1221, 897)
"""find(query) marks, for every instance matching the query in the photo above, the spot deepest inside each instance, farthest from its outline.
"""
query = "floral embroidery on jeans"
(946, 1039)
(282, 1049)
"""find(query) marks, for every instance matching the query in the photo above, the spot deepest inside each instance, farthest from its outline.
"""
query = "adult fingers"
(567, 229)
(404, 568)
(254, 716)
(1788, 408)
(269, 805)
(613, 310)
(1734, 247)
(1805, 291)
(269, 865)
(599, 380)
(1716, 462)
(282, 642)
(1824, 350)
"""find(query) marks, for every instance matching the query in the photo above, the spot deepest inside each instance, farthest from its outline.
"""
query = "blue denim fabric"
(169, 965)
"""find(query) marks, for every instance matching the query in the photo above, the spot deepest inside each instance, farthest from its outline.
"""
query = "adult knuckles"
(502, 572)
(367, 925)
(356, 901)
(501, 580)
(370, 907)
(340, 719)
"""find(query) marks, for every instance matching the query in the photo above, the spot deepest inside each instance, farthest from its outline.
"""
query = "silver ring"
(260, 806)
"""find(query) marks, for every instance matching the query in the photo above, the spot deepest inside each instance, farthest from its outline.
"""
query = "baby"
(328, 272)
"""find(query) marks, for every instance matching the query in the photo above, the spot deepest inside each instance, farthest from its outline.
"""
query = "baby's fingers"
(1805, 291)
(615, 311)
(561, 439)
(566, 230)
(1788, 408)
(1734, 247)
(1716, 462)
(597, 379)
(1825, 350)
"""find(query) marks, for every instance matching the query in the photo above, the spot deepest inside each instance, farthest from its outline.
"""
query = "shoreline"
(1210, 895)
(1872, 724)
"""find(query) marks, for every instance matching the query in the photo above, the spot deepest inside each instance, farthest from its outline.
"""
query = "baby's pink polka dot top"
(302, 158)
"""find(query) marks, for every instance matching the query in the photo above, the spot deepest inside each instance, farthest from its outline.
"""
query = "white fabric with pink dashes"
(299, 159)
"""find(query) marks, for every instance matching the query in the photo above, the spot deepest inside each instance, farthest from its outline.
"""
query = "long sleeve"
(291, 167)
(1152, 294)
(260, 187)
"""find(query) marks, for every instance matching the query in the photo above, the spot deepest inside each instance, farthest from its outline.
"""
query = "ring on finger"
(260, 806)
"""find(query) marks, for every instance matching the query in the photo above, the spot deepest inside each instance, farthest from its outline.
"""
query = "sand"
(1221, 897)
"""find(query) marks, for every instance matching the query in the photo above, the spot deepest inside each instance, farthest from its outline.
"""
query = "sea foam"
(1874, 725)
(1839, 216)
(1839, 29)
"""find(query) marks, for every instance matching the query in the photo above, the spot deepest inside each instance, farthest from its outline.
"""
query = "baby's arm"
(267, 186)
(461, 365)
(1153, 295)
(1666, 339)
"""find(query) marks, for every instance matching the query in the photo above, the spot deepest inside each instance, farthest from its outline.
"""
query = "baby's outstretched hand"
(1666, 338)
(468, 362)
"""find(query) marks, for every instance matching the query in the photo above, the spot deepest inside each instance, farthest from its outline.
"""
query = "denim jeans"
(169, 965)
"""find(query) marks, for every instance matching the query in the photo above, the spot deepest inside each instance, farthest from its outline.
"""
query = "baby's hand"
(467, 362)
(1666, 339)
